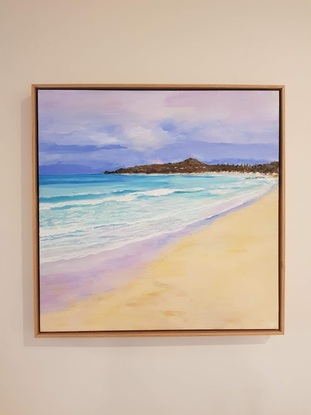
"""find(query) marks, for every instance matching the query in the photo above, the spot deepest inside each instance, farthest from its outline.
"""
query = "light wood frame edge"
(156, 333)
(35, 213)
(282, 214)
(156, 86)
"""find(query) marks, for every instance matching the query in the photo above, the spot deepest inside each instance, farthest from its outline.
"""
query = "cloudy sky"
(90, 131)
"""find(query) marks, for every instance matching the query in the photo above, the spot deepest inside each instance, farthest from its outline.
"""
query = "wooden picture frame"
(158, 210)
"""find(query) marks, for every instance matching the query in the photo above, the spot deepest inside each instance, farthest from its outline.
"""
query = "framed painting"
(158, 209)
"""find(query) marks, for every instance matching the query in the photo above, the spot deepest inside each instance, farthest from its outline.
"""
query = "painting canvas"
(158, 209)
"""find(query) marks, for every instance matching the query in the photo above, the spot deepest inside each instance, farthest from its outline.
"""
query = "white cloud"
(142, 138)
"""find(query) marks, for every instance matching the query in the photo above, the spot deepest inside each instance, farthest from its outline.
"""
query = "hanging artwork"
(158, 209)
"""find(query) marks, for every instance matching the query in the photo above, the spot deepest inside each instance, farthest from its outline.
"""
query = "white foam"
(116, 198)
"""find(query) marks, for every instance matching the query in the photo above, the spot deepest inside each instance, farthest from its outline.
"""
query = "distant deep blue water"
(81, 215)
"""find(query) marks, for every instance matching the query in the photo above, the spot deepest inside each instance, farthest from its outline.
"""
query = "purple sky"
(83, 131)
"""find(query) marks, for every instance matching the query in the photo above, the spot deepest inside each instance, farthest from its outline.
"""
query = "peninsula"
(192, 165)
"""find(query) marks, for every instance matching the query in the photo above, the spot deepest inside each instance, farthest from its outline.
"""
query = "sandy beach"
(223, 276)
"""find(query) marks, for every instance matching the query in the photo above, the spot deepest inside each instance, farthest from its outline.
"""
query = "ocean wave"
(115, 197)
(63, 198)
(115, 236)
(115, 227)
(164, 192)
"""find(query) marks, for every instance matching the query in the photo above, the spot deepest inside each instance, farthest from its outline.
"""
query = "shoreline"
(74, 279)
(223, 275)
(214, 173)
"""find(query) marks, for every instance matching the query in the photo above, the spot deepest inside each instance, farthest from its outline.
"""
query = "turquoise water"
(82, 215)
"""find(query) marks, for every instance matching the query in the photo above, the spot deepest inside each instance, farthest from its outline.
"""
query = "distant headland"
(192, 165)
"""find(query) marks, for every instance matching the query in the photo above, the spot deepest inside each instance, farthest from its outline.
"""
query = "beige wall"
(152, 41)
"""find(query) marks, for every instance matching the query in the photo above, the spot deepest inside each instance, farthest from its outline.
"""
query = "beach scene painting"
(158, 209)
